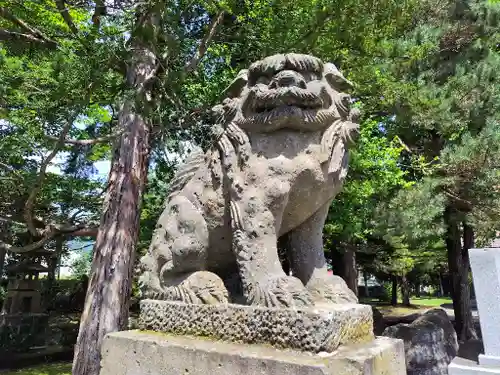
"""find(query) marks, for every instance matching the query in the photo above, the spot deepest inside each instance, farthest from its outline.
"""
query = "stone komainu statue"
(281, 158)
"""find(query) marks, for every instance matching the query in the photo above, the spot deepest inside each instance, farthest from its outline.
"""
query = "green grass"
(432, 302)
(418, 305)
(59, 368)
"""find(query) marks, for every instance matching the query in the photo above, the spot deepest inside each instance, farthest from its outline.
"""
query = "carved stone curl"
(281, 157)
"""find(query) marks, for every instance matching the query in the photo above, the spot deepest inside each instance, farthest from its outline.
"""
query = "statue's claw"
(286, 291)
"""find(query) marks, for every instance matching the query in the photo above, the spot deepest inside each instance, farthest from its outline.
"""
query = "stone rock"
(318, 329)
(281, 156)
(379, 323)
(430, 343)
(137, 353)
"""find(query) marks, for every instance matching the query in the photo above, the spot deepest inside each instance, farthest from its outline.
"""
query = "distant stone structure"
(23, 289)
(485, 265)
(212, 280)
(23, 321)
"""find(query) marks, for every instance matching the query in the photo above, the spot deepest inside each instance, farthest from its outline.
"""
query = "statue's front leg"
(255, 245)
(305, 244)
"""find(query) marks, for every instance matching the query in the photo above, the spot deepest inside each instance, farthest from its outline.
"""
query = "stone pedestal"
(141, 353)
(485, 264)
(227, 339)
(315, 329)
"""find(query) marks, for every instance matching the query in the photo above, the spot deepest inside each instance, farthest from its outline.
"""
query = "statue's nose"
(288, 78)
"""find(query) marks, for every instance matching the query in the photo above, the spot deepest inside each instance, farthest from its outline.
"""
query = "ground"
(418, 305)
(60, 368)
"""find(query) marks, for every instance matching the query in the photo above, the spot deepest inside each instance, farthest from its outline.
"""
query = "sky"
(103, 171)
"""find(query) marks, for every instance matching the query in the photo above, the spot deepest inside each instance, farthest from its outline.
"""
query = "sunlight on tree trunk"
(107, 300)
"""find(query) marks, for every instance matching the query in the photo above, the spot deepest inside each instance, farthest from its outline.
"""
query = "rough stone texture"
(430, 343)
(319, 329)
(138, 353)
(485, 264)
(379, 323)
(280, 159)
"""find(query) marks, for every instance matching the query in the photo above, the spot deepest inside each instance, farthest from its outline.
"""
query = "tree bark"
(3, 253)
(367, 289)
(405, 290)
(394, 291)
(459, 266)
(107, 299)
(418, 287)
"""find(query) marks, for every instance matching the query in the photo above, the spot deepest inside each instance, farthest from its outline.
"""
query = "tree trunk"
(107, 299)
(441, 287)
(51, 275)
(367, 289)
(418, 288)
(459, 265)
(405, 290)
(350, 273)
(394, 291)
(3, 253)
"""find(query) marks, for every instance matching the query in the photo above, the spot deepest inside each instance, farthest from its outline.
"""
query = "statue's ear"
(335, 78)
(235, 87)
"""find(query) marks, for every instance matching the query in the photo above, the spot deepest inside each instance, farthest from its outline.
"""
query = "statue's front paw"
(286, 291)
(331, 289)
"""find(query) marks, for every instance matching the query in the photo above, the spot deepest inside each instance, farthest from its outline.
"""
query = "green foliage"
(373, 176)
(80, 267)
(447, 112)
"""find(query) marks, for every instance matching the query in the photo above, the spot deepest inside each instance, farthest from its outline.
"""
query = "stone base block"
(461, 366)
(142, 353)
(318, 329)
(489, 360)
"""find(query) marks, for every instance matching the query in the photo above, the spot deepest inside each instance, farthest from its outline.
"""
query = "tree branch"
(11, 221)
(100, 10)
(49, 234)
(61, 6)
(86, 232)
(462, 203)
(86, 142)
(202, 48)
(23, 25)
(12, 35)
(25, 249)
(30, 202)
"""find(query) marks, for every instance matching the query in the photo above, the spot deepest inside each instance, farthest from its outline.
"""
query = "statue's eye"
(263, 80)
(310, 76)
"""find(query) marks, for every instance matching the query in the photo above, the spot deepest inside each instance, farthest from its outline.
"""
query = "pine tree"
(448, 113)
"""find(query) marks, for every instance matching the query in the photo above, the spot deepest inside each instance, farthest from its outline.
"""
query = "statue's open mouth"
(290, 99)
(287, 107)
